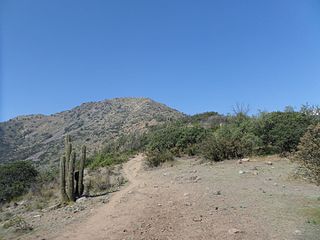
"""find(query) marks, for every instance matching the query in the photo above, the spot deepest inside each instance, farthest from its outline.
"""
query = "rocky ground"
(190, 200)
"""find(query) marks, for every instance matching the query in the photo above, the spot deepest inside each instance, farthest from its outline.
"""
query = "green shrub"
(156, 158)
(235, 140)
(16, 179)
(108, 159)
(281, 131)
(176, 138)
(308, 153)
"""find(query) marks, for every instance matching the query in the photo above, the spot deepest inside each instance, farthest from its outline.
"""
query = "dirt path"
(199, 201)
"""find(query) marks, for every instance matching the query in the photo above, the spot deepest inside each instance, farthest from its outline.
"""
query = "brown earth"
(190, 200)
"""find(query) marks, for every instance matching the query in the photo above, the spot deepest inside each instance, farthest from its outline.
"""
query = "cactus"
(71, 193)
(68, 150)
(71, 181)
(81, 170)
(64, 197)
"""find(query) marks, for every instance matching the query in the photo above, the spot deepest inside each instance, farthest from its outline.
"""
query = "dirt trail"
(200, 201)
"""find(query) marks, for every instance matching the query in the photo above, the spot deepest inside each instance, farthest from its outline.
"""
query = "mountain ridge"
(39, 137)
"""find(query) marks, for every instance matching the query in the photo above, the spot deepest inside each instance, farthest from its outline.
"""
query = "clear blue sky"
(194, 56)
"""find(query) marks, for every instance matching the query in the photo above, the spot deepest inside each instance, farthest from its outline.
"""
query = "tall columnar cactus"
(64, 196)
(71, 193)
(81, 170)
(71, 182)
(68, 150)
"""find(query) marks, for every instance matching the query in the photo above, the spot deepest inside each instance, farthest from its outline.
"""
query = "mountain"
(40, 137)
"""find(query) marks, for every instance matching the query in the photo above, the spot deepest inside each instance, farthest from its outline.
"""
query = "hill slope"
(39, 137)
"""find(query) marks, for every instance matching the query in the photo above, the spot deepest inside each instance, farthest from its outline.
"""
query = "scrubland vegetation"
(211, 136)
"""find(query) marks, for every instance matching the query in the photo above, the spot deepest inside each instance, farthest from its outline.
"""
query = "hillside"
(39, 137)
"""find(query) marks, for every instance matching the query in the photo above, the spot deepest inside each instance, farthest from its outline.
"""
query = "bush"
(108, 159)
(156, 158)
(234, 140)
(16, 179)
(176, 138)
(281, 131)
(308, 153)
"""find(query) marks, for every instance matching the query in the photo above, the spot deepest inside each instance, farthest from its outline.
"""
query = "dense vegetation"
(308, 153)
(15, 179)
(216, 137)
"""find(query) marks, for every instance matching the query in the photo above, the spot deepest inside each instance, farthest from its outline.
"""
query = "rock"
(232, 231)
(197, 179)
(275, 184)
(218, 192)
(241, 172)
(155, 186)
(197, 219)
(186, 194)
(297, 232)
(22, 202)
(159, 204)
(82, 199)
(269, 163)
(245, 159)
(239, 161)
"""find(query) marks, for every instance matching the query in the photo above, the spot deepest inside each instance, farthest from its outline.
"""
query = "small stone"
(234, 231)
(297, 232)
(155, 186)
(241, 172)
(245, 159)
(159, 204)
(218, 192)
(186, 194)
(239, 161)
(197, 219)
(82, 199)
(275, 184)
(269, 163)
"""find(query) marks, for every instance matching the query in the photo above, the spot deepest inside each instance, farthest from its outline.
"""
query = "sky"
(194, 56)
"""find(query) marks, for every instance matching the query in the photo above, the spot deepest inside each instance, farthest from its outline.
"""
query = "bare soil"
(192, 200)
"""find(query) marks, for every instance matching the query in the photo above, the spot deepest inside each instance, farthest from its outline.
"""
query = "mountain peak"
(40, 137)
